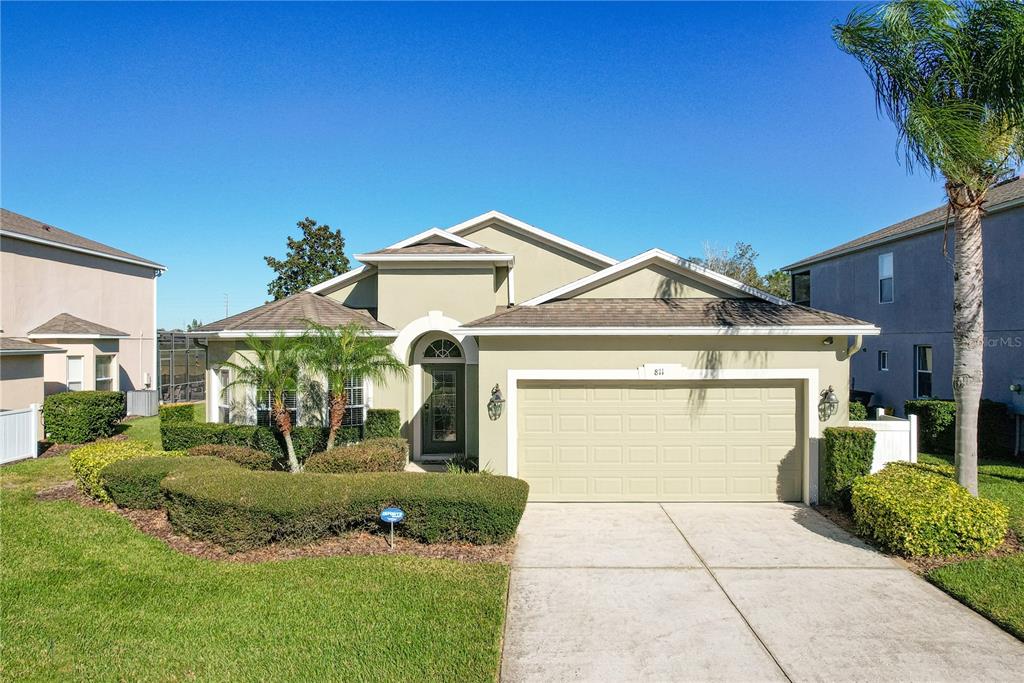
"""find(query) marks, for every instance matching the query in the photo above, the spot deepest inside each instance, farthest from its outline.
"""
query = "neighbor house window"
(291, 403)
(883, 361)
(224, 405)
(800, 283)
(923, 371)
(76, 372)
(105, 368)
(885, 281)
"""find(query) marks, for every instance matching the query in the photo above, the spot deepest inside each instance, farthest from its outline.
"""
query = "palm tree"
(273, 370)
(344, 353)
(950, 75)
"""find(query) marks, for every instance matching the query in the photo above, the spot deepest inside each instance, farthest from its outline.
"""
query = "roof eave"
(696, 331)
(242, 334)
(81, 250)
(435, 258)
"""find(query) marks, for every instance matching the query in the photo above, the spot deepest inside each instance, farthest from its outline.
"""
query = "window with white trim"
(442, 348)
(355, 403)
(224, 400)
(923, 371)
(76, 373)
(883, 361)
(885, 279)
(263, 404)
(105, 369)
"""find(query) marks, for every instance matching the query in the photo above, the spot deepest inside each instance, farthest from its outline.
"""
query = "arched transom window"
(442, 348)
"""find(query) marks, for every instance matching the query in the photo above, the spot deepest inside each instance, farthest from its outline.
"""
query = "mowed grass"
(148, 428)
(85, 596)
(992, 586)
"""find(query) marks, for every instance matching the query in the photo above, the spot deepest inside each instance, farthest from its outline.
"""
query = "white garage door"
(660, 441)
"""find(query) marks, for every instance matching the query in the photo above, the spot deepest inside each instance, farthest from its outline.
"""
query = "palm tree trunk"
(284, 425)
(968, 329)
(339, 401)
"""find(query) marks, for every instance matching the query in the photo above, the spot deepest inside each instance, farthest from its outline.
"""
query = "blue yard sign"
(392, 515)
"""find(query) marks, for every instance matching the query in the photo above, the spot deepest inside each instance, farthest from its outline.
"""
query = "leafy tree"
(344, 353)
(740, 263)
(196, 322)
(317, 256)
(950, 76)
(272, 369)
(776, 282)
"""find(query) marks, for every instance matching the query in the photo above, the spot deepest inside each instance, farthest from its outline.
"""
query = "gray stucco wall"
(922, 310)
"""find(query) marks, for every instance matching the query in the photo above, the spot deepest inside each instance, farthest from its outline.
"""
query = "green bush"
(81, 416)
(306, 440)
(858, 411)
(177, 412)
(372, 455)
(135, 483)
(240, 509)
(937, 427)
(381, 423)
(88, 462)
(911, 511)
(249, 458)
(848, 454)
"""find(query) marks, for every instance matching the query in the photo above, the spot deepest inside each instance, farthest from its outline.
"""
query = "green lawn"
(84, 596)
(148, 428)
(993, 586)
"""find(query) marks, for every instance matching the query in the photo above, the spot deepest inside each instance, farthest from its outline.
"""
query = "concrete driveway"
(745, 592)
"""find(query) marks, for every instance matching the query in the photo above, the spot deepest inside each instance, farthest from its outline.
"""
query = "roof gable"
(467, 228)
(67, 326)
(688, 276)
(290, 315)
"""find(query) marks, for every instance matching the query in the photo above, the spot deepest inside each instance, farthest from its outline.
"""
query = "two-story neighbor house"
(74, 314)
(901, 279)
(593, 379)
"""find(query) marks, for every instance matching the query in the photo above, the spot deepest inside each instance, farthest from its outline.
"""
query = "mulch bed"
(1012, 545)
(155, 524)
(48, 449)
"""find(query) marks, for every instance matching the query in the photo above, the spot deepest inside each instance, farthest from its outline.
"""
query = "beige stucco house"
(649, 379)
(74, 314)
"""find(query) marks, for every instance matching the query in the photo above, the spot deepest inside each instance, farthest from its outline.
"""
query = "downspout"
(854, 347)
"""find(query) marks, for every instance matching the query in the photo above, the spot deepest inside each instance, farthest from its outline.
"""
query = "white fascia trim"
(48, 335)
(353, 275)
(644, 259)
(542, 235)
(434, 232)
(29, 352)
(808, 376)
(229, 334)
(80, 250)
(438, 258)
(785, 331)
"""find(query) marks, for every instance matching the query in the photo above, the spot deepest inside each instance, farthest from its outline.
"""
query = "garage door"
(660, 441)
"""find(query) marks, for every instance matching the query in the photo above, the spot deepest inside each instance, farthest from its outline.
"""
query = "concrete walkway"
(741, 592)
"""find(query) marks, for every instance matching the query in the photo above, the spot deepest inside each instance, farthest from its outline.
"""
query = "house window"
(224, 406)
(355, 407)
(885, 280)
(883, 361)
(800, 284)
(442, 348)
(291, 404)
(105, 369)
(923, 371)
(76, 372)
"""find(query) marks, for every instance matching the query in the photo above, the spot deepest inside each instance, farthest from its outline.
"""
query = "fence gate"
(19, 434)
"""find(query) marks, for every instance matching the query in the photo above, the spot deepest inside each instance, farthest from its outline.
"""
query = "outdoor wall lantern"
(828, 405)
(496, 403)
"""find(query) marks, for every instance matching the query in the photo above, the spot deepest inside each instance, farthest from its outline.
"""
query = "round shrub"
(372, 455)
(858, 411)
(82, 416)
(135, 483)
(249, 458)
(911, 511)
(88, 462)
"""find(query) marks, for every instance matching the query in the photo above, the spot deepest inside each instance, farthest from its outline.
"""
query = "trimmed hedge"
(89, 461)
(306, 440)
(249, 458)
(372, 455)
(911, 511)
(858, 411)
(81, 416)
(135, 483)
(177, 412)
(239, 509)
(937, 427)
(848, 454)
(382, 423)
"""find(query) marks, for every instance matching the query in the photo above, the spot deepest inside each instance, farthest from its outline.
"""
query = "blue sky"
(197, 134)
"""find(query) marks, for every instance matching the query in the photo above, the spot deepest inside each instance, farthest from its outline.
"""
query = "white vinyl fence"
(895, 438)
(144, 402)
(19, 433)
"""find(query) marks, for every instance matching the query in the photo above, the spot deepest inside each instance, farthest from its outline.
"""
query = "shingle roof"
(434, 249)
(1000, 194)
(9, 345)
(23, 225)
(290, 314)
(696, 312)
(65, 324)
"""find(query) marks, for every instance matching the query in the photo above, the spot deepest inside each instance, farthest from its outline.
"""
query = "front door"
(444, 409)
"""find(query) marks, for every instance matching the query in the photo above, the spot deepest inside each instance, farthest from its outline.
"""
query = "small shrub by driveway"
(911, 511)
(849, 452)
